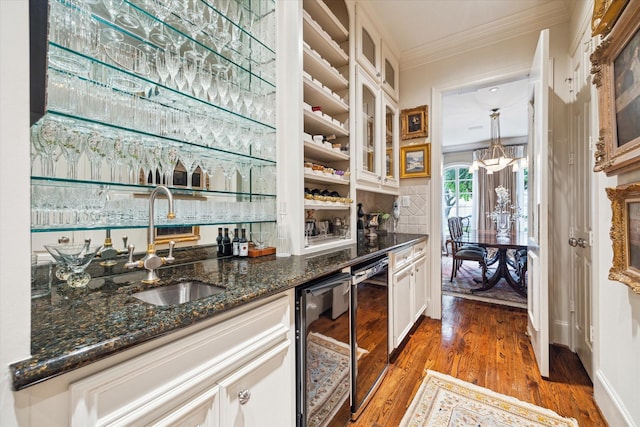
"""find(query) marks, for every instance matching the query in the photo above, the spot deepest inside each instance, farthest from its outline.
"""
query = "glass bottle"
(283, 239)
(219, 240)
(226, 242)
(236, 243)
(244, 244)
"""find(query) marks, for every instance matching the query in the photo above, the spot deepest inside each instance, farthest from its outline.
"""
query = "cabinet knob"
(244, 396)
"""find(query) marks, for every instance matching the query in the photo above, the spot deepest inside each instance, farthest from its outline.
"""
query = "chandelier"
(497, 156)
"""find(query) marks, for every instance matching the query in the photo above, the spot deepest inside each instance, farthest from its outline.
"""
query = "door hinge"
(572, 306)
(591, 333)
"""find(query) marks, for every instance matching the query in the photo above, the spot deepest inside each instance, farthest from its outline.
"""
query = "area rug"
(464, 283)
(328, 380)
(445, 401)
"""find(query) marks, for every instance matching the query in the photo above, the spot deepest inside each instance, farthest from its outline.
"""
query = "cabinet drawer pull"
(244, 396)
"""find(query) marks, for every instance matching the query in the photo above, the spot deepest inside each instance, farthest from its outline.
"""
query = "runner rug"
(328, 380)
(445, 401)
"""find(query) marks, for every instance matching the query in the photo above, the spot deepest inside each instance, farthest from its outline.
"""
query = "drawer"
(419, 249)
(401, 257)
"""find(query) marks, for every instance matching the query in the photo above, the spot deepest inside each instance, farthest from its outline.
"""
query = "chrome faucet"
(151, 261)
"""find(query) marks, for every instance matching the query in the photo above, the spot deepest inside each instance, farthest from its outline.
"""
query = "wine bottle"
(226, 242)
(219, 240)
(236, 243)
(244, 244)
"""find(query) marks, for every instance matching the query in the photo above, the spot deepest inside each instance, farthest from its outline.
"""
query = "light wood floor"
(484, 344)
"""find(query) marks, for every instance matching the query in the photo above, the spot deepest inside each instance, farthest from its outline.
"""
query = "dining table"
(515, 241)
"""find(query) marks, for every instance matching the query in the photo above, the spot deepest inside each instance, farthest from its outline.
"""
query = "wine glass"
(62, 269)
(77, 258)
(260, 238)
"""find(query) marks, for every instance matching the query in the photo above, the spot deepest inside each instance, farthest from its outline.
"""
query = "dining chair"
(461, 252)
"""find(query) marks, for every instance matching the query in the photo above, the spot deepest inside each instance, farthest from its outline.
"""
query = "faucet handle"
(131, 263)
(169, 258)
(124, 242)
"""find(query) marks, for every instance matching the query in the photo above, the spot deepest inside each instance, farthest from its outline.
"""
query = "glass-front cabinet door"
(368, 44)
(367, 110)
(391, 142)
(390, 72)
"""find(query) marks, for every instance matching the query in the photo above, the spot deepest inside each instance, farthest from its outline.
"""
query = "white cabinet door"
(368, 44)
(402, 316)
(420, 287)
(390, 142)
(259, 393)
(368, 125)
(390, 72)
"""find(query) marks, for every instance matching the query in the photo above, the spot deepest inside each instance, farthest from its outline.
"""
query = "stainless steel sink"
(178, 293)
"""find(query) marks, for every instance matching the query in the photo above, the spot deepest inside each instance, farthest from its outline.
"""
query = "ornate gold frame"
(622, 269)
(419, 116)
(611, 157)
(425, 149)
(605, 14)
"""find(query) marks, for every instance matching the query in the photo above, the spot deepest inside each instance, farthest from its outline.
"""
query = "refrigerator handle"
(325, 286)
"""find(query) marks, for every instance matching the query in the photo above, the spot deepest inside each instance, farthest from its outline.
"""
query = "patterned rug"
(328, 381)
(445, 401)
(463, 284)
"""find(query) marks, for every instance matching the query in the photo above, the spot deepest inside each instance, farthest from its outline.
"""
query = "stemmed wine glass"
(112, 7)
(188, 159)
(72, 145)
(77, 258)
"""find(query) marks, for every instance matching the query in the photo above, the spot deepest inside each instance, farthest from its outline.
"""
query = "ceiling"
(424, 31)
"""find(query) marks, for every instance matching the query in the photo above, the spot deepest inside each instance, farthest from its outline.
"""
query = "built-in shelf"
(317, 95)
(321, 124)
(320, 69)
(326, 178)
(322, 42)
(323, 15)
(323, 154)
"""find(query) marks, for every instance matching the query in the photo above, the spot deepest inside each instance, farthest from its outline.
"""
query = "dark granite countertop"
(75, 327)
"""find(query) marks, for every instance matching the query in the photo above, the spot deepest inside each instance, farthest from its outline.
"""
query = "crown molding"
(535, 20)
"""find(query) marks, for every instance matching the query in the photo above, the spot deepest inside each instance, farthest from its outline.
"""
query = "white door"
(539, 170)
(580, 231)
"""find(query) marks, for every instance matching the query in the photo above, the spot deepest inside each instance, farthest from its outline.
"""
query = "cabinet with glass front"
(377, 119)
(142, 93)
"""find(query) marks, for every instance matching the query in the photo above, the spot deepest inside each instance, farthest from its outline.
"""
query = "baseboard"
(610, 404)
(559, 333)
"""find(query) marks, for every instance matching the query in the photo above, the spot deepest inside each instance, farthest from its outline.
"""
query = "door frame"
(434, 309)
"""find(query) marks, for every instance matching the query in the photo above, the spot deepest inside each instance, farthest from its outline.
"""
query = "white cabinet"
(408, 290)
(368, 44)
(402, 286)
(377, 139)
(224, 375)
(326, 112)
(390, 72)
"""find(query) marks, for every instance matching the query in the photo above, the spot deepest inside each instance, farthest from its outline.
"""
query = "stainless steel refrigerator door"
(322, 352)
(369, 346)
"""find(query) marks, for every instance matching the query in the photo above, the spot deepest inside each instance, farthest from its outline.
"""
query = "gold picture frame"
(613, 62)
(414, 122)
(625, 234)
(605, 14)
(415, 161)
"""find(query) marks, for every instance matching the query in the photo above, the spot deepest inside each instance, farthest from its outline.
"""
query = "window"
(457, 194)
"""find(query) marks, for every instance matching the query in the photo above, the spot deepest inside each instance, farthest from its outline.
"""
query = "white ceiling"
(424, 31)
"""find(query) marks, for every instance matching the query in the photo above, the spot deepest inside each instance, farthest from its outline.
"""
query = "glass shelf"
(59, 204)
(106, 90)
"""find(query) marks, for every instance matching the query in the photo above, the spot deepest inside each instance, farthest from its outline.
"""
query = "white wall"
(15, 299)
(617, 366)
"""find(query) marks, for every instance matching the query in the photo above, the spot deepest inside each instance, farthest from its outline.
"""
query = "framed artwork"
(414, 122)
(415, 161)
(625, 234)
(605, 14)
(616, 70)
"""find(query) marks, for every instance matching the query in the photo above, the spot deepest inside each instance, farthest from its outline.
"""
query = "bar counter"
(72, 328)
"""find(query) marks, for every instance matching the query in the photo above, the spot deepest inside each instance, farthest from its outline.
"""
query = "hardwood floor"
(487, 345)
